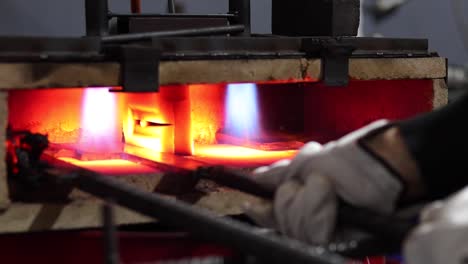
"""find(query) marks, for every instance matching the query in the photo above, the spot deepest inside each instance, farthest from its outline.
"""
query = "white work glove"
(442, 235)
(308, 187)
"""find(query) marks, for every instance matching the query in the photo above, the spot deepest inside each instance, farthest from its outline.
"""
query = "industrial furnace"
(160, 98)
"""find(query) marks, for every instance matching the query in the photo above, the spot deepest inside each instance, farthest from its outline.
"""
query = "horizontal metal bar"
(204, 224)
(173, 33)
(176, 15)
(177, 43)
(181, 48)
(401, 44)
(211, 48)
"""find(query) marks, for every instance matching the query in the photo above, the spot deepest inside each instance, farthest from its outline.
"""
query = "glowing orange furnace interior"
(244, 125)
(179, 120)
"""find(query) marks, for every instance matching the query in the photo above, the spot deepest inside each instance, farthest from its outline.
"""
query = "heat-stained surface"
(239, 156)
(330, 113)
(56, 112)
(112, 166)
(208, 112)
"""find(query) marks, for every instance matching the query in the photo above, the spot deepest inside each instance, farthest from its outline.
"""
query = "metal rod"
(173, 33)
(135, 6)
(173, 15)
(97, 23)
(111, 243)
(202, 223)
(171, 6)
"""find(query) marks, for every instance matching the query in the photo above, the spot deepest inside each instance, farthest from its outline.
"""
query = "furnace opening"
(205, 123)
(245, 125)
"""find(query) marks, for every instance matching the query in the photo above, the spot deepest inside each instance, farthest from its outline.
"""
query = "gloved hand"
(308, 187)
(442, 235)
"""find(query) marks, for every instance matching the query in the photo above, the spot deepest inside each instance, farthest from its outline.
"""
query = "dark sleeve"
(439, 143)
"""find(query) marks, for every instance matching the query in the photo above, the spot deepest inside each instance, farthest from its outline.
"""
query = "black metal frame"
(140, 58)
(173, 45)
(139, 74)
(98, 16)
(221, 30)
(170, 15)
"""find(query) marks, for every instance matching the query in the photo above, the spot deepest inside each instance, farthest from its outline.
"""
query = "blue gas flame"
(242, 119)
(99, 121)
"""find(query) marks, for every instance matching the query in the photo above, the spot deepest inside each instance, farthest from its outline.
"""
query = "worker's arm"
(390, 148)
(309, 186)
(439, 151)
(438, 143)
(441, 236)
(376, 168)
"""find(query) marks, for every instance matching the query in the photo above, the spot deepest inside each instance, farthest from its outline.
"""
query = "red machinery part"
(77, 247)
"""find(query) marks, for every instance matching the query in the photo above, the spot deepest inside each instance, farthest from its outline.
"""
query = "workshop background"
(165, 121)
(444, 23)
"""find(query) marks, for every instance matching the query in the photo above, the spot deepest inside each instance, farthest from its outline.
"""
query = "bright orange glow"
(162, 158)
(111, 166)
(208, 111)
(179, 96)
(55, 112)
(145, 136)
(169, 107)
(224, 153)
(60, 113)
(192, 118)
(143, 123)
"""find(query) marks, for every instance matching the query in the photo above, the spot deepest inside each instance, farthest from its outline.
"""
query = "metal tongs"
(388, 229)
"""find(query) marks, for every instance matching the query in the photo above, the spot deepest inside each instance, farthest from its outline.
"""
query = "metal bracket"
(336, 63)
(335, 56)
(139, 69)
